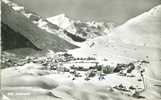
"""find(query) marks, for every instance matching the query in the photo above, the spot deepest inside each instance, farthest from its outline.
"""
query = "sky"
(117, 11)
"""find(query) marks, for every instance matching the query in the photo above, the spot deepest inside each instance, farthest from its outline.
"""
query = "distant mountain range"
(85, 30)
(22, 28)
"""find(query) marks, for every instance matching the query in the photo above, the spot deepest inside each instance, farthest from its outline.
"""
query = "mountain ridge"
(143, 30)
(20, 23)
(85, 30)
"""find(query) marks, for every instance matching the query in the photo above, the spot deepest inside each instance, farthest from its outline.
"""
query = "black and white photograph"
(80, 50)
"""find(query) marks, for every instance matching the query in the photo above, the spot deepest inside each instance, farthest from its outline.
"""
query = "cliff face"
(14, 40)
(18, 31)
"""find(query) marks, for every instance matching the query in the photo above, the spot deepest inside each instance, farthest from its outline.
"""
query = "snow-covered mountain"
(143, 30)
(63, 22)
(137, 39)
(22, 28)
(82, 29)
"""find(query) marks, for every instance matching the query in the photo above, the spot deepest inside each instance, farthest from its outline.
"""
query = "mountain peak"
(62, 21)
(60, 16)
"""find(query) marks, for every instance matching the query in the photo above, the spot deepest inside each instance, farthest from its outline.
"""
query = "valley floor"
(35, 79)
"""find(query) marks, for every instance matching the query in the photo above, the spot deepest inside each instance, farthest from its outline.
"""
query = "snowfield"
(34, 82)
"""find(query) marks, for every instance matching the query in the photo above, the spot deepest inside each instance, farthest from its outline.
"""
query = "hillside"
(16, 21)
(143, 30)
(137, 39)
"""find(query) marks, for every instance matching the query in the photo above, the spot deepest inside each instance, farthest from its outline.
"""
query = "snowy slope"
(128, 37)
(137, 39)
(143, 30)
